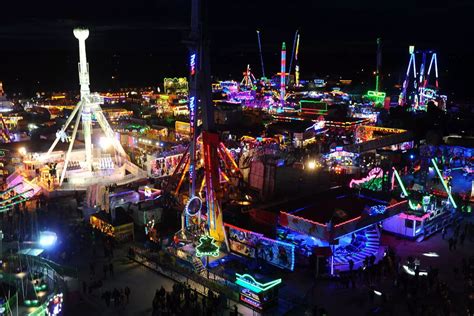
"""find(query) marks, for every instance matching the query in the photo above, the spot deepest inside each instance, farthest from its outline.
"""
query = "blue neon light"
(247, 281)
(192, 64)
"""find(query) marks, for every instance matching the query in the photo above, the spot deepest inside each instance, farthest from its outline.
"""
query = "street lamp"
(47, 238)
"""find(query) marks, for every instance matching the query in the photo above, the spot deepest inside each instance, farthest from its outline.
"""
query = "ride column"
(283, 75)
(81, 35)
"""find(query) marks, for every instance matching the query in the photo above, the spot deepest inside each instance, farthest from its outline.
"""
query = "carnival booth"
(256, 291)
(116, 224)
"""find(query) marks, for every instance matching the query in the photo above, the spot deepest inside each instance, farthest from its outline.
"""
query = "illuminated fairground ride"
(215, 159)
(248, 79)
(5, 136)
(417, 90)
(81, 168)
(376, 96)
(426, 214)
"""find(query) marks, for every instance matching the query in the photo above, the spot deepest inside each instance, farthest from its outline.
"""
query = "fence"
(181, 271)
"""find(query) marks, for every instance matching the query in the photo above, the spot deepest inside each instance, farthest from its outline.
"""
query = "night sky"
(139, 42)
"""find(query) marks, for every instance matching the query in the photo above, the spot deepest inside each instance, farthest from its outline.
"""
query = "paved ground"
(337, 300)
(142, 281)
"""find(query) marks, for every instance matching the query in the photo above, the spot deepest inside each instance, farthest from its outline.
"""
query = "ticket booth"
(257, 292)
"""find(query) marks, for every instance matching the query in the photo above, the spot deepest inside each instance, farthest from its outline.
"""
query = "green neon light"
(404, 190)
(247, 281)
(8, 206)
(22, 194)
(376, 96)
(315, 102)
(31, 302)
(41, 287)
(444, 183)
(207, 247)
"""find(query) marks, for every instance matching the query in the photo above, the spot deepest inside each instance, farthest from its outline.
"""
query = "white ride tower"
(86, 108)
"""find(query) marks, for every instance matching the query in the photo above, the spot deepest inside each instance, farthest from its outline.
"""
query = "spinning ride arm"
(109, 132)
(211, 171)
(71, 144)
(64, 128)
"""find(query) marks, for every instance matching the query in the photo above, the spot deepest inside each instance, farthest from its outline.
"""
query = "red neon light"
(398, 203)
(351, 220)
(303, 219)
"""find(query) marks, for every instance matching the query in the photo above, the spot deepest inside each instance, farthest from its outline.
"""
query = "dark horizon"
(140, 43)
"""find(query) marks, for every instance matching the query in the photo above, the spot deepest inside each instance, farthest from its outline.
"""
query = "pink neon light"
(303, 219)
(413, 217)
(374, 173)
(346, 222)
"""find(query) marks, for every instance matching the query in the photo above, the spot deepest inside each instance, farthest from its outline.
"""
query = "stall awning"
(34, 252)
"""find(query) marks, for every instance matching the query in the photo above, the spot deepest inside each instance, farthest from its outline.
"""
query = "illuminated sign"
(247, 281)
(207, 247)
(193, 206)
(376, 172)
(192, 64)
(376, 96)
(192, 110)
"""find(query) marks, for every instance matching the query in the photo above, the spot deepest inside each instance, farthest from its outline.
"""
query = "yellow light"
(22, 151)
(312, 165)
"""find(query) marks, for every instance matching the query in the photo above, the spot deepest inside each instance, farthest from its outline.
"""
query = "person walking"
(116, 297)
(127, 293)
(111, 269)
(351, 265)
(443, 233)
(461, 239)
(105, 271)
(92, 269)
(108, 296)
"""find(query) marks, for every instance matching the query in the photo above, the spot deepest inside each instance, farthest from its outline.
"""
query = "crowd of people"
(396, 286)
(119, 297)
(183, 300)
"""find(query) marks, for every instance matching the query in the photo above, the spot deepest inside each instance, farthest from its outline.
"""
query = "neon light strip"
(404, 190)
(16, 196)
(346, 222)
(444, 183)
(255, 286)
(303, 219)
(396, 204)
(413, 217)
